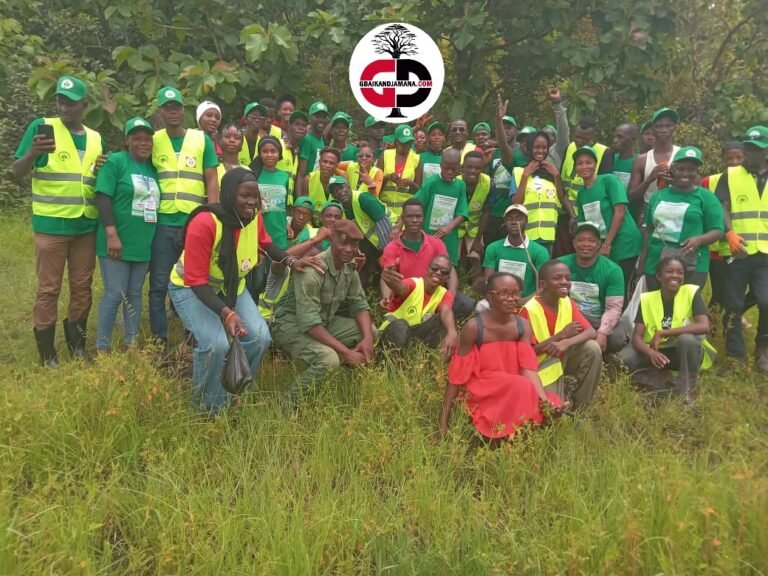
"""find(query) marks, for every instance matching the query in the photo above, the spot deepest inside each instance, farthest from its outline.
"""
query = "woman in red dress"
(496, 365)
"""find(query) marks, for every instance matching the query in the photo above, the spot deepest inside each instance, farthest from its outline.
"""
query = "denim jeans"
(123, 283)
(751, 272)
(212, 343)
(165, 254)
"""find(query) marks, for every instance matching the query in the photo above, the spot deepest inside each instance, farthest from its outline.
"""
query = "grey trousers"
(584, 363)
(399, 333)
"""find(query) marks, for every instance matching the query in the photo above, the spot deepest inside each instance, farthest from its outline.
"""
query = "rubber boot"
(45, 346)
(75, 336)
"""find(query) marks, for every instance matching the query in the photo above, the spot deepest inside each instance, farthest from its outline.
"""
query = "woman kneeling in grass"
(497, 366)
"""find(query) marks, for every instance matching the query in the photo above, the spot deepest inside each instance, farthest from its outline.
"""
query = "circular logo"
(67, 83)
(475, 205)
(63, 156)
(163, 159)
(139, 123)
(170, 93)
(396, 73)
(753, 134)
(411, 310)
(690, 153)
(246, 265)
(191, 162)
(741, 199)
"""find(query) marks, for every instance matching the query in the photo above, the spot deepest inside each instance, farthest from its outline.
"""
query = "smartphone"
(45, 130)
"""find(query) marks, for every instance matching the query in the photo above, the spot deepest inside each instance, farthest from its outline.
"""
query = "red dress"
(500, 399)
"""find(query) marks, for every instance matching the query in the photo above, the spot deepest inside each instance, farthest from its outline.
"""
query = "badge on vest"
(551, 194)
(191, 162)
(246, 265)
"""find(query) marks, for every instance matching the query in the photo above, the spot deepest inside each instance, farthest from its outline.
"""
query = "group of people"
(274, 227)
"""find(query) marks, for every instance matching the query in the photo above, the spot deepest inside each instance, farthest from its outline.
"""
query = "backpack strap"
(520, 328)
(479, 337)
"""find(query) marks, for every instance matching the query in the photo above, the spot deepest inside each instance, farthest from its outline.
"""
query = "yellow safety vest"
(476, 203)
(550, 368)
(391, 194)
(468, 147)
(572, 181)
(353, 176)
(289, 163)
(652, 307)
(182, 182)
(721, 246)
(749, 210)
(64, 188)
(412, 310)
(247, 257)
(542, 204)
(316, 191)
(367, 226)
(246, 155)
(221, 170)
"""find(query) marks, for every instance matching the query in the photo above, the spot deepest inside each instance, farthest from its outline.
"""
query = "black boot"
(75, 336)
(45, 345)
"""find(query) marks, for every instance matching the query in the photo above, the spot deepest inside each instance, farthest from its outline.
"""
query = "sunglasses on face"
(458, 129)
(504, 294)
(438, 270)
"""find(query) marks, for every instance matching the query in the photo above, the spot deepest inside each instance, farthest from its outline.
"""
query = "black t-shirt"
(698, 305)
(723, 191)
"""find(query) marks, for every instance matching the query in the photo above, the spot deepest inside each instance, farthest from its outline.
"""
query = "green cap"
(591, 226)
(757, 136)
(646, 126)
(527, 130)
(509, 120)
(138, 123)
(318, 107)
(298, 114)
(334, 203)
(404, 134)
(481, 126)
(688, 153)
(585, 150)
(336, 180)
(304, 202)
(169, 94)
(388, 139)
(370, 121)
(550, 127)
(72, 88)
(437, 124)
(254, 106)
(665, 112)
(341, 116)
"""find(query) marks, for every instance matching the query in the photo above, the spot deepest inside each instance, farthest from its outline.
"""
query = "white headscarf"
(203, 107)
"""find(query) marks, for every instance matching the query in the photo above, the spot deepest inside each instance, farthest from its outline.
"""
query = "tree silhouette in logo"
(395, 40)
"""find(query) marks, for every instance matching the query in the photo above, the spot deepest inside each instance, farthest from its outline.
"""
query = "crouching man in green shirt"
(597, 287)
(307, 325)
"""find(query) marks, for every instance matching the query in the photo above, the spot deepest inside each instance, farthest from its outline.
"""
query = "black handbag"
(236, 373)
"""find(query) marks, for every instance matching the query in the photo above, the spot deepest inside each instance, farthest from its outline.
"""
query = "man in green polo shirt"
(312, 143)
(63, 155)
(597, 287)
(186, 163)
(340, 125)
(515, 254)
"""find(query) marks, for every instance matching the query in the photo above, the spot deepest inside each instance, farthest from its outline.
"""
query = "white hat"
(516, 208)
(203, 107)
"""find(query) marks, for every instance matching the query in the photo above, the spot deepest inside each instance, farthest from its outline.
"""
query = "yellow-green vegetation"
(104, 469)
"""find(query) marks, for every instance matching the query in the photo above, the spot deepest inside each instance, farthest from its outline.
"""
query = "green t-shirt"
(135, 195)
(370, 205)
(443, 201)
(501, 256)
(673, 217)
(415, 246)
(430, 163)
(210, 160)
(53, 224)
(622, 169)
(349, 154)
(596, 204)
(273, 187)
(309, 150)
(592, 285)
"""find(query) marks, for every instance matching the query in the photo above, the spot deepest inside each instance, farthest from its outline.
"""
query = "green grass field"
(104, 469)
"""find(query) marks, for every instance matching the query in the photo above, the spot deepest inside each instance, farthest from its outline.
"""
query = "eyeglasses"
(458, 129)
(505, 294)
(439, 270)
(365, 155)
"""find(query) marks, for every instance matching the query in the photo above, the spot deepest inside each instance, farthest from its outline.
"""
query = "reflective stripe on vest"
(652, 307)
(476, 203)
(182, 182)
(749, 209)
(64, 187)
(572, 181)
(412, 310)
(391, 194)
(247, 257)
(542, 206)
(367, 226)
(550, 368)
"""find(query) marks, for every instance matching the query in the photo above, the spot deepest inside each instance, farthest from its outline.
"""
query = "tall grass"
(105, 469)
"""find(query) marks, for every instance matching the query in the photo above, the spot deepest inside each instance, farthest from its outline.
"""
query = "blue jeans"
(165, 254)
(742, 273)
(123, 282)
(212, 343)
